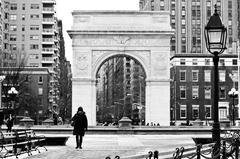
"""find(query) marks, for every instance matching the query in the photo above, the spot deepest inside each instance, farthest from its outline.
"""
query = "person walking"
(80, 124)
(9, 123)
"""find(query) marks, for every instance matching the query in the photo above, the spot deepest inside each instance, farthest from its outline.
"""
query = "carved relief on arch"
(81, 64)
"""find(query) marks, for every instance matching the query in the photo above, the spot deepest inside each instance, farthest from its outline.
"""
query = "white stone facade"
(145, 36)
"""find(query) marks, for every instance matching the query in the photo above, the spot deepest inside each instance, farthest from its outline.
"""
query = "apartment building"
(188, 19)
(191, 62)
(30, 32)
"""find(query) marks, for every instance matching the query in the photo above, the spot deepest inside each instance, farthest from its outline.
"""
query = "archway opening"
(120, 91)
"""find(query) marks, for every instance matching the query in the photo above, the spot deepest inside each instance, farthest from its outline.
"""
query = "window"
(195, 111)
(23, 47)
(23, 17)
(13, 17)
(40, 79)
(194, 92)
(23, 37)
(207, 62)
(183, 92)
(207, 75)
(207, 92)
(13, 6)
(34, 27)
(222, 92)
(34, 47)
(33, 56)
(13, 47)
(234, 62)
(195, 61)
(222, 75)
(34, 16)
(223, 113)
(182, 75)
(182, 62)
(34, 37)
(208, 111)
(234, 75)
(183, 111)
(195, 75)
(40, 91)
(23, 28)
(34, 6)
(13, 37)
(13, 27)
(222, 62)
(23, 6)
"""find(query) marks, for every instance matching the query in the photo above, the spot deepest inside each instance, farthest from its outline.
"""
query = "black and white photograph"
(119, 79)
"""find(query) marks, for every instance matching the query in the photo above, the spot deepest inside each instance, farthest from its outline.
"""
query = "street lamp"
(233, 94)
(215, 36)
(12, 93)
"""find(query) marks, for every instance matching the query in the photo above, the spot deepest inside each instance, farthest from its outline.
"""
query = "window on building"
(222, 92)
(23, 6)
(34, 64)
(194, 75)
(40, 79)
(34, 6)
(234, 75)
(34, 27)
(223, 113)
(23, 17)
(195, 92)
(13, 47)
(183, 48)
(34, 37)
(13, 17)
(6, 15)
(222, 62)
(13, 6)
(182, 62)
(183, 92)
(207, 75)
(23, 47)
(13, 27)
(161, 4)
(40, 91)
(207, 62)
(34, 46)
(23, 37)
(13, 37)
(183, 111)
(195, 111)
(33, 56)
(182, 75)
(23, 28)
(194, 61)
(208, 111)
(222, 75)
(207, 92)
(34, 16)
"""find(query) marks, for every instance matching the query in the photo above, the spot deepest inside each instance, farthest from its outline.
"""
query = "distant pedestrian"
(9, 123)
(80, 124)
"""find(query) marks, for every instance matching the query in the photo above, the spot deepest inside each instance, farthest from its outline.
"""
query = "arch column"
(85, 96)
(157, 108)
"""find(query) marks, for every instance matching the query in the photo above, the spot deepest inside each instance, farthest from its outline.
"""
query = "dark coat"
(81, 123)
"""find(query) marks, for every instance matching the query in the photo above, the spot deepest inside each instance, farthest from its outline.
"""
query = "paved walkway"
(100, 146)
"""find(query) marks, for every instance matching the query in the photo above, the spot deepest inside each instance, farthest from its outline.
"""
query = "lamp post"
(233, 94)
(12, 93)
(1, 79)
(215, 36)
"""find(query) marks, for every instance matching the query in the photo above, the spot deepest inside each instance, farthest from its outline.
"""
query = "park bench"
(19, 142)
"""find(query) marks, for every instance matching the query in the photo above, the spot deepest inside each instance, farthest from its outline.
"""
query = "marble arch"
(99, 35)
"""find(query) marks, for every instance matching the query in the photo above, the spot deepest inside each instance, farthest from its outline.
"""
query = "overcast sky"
(65, 7)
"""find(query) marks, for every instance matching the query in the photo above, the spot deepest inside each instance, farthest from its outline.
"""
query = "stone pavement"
(100, 146)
